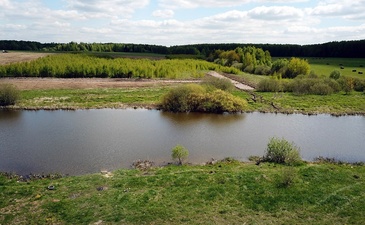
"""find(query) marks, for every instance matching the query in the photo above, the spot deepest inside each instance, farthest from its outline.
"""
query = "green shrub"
(287, 177)
(262, 70)
(193, 98)
(321, 89)
(9, 95)
(177, 99)
(179, 153)
(283, 152)
(269, 85)
(335, 74)
(219, 83)
(219, 101)
(359, 85)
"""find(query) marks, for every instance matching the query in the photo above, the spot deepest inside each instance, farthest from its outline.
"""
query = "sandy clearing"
(86, 83)
(14, 57)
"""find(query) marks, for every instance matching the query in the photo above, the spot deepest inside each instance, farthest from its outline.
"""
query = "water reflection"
(9, 115)
(192, 118)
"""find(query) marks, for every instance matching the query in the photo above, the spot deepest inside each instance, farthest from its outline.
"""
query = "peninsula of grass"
(228, 192)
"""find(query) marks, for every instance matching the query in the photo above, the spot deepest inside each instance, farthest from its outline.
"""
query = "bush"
(179, 153)
(321, 89)
(219, 102)
(9, 95)
(335, 75)
(269, 85)
(219, 83)
(283, 152)
(262, 70)
(287, 178)
(177, 99)
(194, 98)
(359, 85)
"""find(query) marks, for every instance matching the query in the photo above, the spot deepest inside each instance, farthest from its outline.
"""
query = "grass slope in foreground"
(225, 193)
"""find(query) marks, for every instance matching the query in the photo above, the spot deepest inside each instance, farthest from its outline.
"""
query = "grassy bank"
(149, 97)
(224, 193)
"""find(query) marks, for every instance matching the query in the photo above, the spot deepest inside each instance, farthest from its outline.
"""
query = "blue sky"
(178, 22)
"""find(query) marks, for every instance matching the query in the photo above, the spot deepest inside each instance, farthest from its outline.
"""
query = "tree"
(179, 153)
(297, 67)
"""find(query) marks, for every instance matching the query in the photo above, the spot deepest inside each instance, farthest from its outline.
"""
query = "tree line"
(81, 65)
(348, 49)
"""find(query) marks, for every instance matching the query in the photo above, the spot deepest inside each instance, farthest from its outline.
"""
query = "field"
(228, 192)
(324, 66)
(14, 57)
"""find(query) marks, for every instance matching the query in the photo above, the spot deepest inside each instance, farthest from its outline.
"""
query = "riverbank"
(98, 93)
(228, 192)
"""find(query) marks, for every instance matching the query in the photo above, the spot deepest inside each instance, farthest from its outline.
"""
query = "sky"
(180, 22)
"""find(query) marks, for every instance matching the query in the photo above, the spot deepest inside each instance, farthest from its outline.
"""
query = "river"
(87, 141)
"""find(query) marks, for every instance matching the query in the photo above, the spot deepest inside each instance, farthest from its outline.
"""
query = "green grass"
(90, 98)
(336, 104)
(225, 193)
(324, 66)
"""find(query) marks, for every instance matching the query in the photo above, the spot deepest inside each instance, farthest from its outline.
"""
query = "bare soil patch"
(14, 57)
(85, 83)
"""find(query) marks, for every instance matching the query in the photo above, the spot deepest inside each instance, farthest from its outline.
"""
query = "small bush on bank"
(179, 153)
(9, 95)
(194, 98)
(335, 74)
(283, 152)
(262, 70)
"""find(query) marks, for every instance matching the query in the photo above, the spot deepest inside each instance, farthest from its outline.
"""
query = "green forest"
(344, 49)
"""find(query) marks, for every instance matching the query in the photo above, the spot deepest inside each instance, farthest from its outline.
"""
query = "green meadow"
(228, 192)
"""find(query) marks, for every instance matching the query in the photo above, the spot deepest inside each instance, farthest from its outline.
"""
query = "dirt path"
(237, 84)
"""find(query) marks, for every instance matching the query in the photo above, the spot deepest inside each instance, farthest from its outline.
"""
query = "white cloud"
(120, 8)
(275, 13)
(167, 13)
(200, 3)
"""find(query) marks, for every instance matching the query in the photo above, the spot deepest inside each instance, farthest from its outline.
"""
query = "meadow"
(228, 192)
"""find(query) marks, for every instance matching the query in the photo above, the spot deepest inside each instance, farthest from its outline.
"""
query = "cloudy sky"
(178, 22)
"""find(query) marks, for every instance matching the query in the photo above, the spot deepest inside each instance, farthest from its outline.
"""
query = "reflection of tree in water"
(9, 114)
(190, 118)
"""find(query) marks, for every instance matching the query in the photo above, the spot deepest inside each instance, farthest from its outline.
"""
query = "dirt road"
(237, 84)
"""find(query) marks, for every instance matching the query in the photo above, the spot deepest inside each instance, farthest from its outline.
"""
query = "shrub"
(219, 102)
(262, 70)
(177, 99)
(269, 85)
(287, 177)
(193, 98)
(335, 74)
(219, 83)
(9, 95)
(249, 69)
(321, 89)
(283, 152)
(279, 66)
(359, 85)
(179, 153)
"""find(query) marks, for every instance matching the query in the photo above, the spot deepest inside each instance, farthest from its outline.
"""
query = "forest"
(343, 49)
